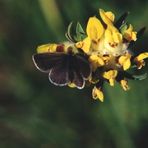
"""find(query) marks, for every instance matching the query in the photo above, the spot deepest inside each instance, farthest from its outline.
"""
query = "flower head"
(101, 55)
(108, 50)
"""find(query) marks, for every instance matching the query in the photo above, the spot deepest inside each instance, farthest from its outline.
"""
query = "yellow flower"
(112, 35)
(94, 32)
(110, 75)
(94, 29)
(140, 59)
(72, 85)
(129, 34)
(142, 56)
(110, 15)
(96, 61)
(124, 85)
(47, 48)
(112, 40)
(97, 94)
(107, 17)
(79, 44)
(107, 58)
(101, 40)
(85, 44)
(125, 61)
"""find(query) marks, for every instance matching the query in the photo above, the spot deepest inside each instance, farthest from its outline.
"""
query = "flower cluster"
(107, 46)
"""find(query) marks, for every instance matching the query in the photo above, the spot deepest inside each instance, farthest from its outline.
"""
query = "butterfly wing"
(84, 66)
(63, 68)
(78, 80)
(58, 75)
(45, 61)
(79, 70)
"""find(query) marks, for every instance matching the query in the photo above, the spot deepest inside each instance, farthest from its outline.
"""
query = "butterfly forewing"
(45, 61)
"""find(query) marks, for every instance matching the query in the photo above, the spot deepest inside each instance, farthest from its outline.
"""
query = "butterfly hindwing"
(58, 75)
(78, 80)
(84, 67)
(75, 76)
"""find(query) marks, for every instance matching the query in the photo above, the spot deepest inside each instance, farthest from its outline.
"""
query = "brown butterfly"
(64, 68)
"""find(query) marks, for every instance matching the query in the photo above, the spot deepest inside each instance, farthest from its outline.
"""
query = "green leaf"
(75, 35)
(124, 74)
(140, 77)
(141, 32)
(123, 28)
(132, 43)
(79, 29)
(80, 33)
(134, 66)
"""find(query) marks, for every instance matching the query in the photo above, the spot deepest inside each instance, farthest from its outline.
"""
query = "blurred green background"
(36, 114)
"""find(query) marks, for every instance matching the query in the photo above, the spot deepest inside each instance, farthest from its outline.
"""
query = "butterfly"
(64, 68)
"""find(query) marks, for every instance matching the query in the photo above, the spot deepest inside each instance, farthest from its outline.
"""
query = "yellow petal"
(142, 56)
(140, 59)
(47, 48)
(94, 29)
(129, 34)
(117, 37)
(113, 36)
(112, 82)
(105, 17)
(108, 36)
(97, 94)
(125, 61)
(96, 61)
(72, 85)
(86, 45)
(124, 85)
(140, 64)
(110, 15)
(79, 44)
(110, 75)
(106, 58)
